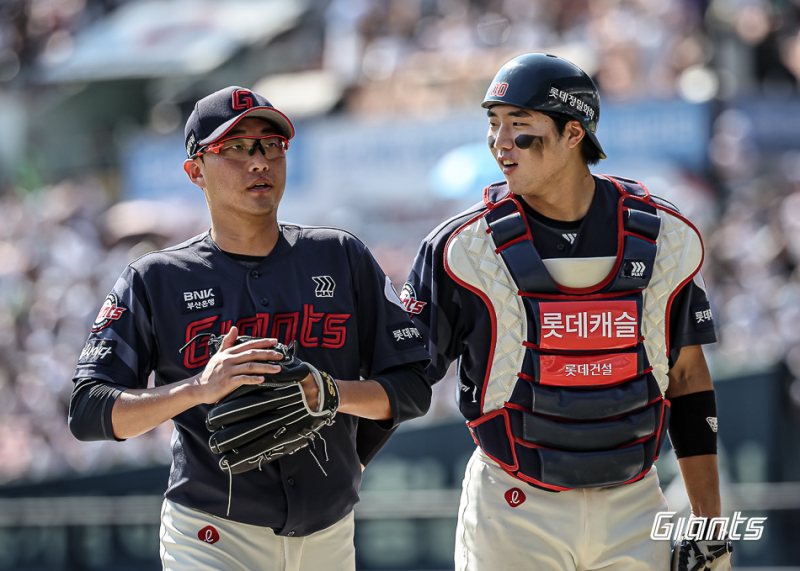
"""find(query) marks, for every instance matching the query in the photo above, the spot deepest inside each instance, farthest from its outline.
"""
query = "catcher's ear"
(194, 172)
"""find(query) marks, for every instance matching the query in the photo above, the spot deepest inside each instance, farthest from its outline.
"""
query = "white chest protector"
(573, 393)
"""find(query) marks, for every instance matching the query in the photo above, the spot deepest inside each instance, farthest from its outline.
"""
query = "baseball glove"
(694, 555)
(261, 423)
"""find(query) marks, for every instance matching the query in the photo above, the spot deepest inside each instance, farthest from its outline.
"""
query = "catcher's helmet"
(549, 84)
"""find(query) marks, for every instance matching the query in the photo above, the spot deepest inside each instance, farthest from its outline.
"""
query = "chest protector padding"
(574, 385)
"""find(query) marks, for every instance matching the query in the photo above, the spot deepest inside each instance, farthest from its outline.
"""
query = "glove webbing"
(700, 557)
(312, 436)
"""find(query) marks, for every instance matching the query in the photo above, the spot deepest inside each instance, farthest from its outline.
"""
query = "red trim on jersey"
(587, 297)
(524, 478)
(640, 237)
(518, 407)
(510, 243)
(507, 423)
(566, 352)
(480, 294)
(667, 405)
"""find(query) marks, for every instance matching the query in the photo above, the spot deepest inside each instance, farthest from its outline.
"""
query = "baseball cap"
(214, 115)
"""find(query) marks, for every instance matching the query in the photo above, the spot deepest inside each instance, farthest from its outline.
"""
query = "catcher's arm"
(137, 411)
(700, 476)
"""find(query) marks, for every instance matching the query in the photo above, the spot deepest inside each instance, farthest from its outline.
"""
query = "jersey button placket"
(290, 481)
(255, 275)
(264, 301)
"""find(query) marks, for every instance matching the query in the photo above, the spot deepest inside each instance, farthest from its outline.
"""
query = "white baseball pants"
(192, 540)
(505, 524)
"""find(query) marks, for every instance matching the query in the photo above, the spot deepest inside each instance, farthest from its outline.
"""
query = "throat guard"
(573, 395)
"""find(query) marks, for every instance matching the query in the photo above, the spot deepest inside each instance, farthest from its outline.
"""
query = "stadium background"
(699, 101)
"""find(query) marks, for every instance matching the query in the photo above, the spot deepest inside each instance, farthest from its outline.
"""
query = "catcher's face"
(528, 148)
(243, 184)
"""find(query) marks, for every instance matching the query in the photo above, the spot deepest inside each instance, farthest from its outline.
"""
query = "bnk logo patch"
(111, 311)
(204, 298)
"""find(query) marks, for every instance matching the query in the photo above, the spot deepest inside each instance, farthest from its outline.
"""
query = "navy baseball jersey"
(457, 324)
(320, 287)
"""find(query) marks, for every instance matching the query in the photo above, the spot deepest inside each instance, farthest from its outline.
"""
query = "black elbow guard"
(90, 409)
(693, 424)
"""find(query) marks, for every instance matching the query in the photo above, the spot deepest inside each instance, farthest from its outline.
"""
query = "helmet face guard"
(548, 84)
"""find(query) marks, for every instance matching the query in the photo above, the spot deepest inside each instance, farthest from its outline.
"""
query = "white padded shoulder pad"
(471, 258)
(678, 258)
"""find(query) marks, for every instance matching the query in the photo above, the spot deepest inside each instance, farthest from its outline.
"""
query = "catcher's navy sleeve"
(437, 304)
(372, 434)
(388, 339)
(690, 319)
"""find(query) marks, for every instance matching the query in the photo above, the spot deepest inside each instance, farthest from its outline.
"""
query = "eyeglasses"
(241, 148)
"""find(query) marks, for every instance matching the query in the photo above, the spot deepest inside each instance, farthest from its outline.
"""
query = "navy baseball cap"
(215, 115)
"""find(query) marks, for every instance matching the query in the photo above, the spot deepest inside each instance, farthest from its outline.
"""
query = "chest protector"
(573, 395)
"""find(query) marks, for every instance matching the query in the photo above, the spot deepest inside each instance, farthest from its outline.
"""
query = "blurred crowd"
(62, 246)
(412, 54)
(753, 250)
(58, 260)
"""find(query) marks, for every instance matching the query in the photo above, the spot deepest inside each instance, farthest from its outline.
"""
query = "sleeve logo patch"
(405, 334)
(200, 299)
(391, 294)
(98, 351)
(712, 422)
(110, 311)
(409, 298)
(702, 316)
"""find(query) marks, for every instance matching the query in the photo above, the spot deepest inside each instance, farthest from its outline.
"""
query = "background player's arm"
(370, 399)
(366, 399)
(700, 475)
(137, 411)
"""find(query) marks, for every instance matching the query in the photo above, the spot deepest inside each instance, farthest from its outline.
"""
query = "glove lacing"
(313, 447)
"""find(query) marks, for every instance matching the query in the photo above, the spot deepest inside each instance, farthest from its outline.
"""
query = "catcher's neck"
(247, 239)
